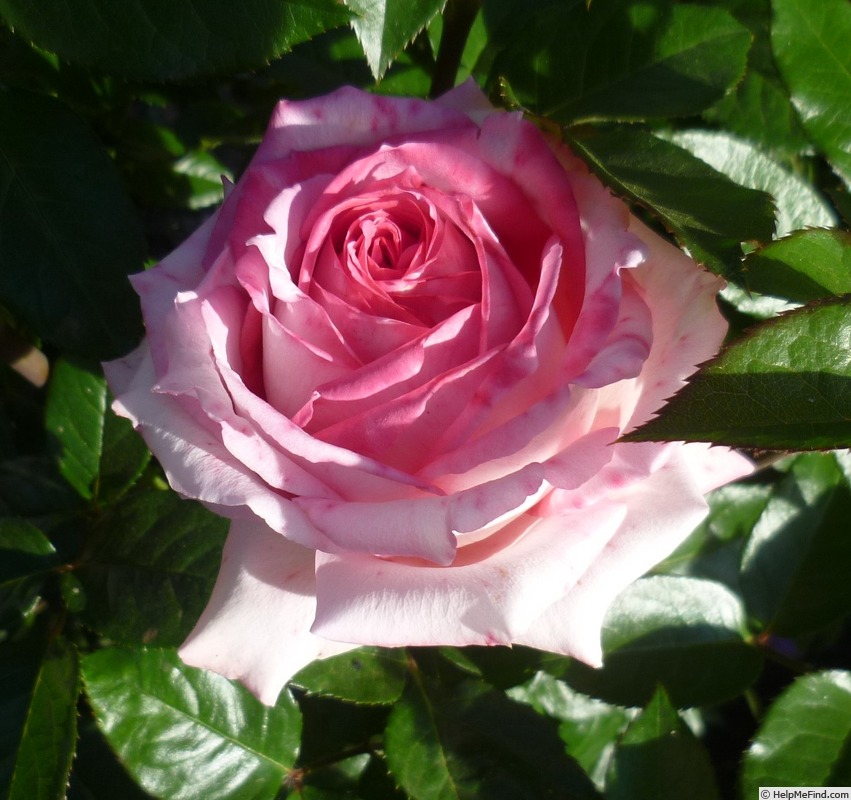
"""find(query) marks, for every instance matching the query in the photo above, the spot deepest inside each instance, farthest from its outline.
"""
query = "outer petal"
(256, 627)
(369, 600)
(350, 117)
(662, 511)
(687, 327)
(198, 464)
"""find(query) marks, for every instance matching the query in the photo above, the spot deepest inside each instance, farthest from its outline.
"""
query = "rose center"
(381, 246)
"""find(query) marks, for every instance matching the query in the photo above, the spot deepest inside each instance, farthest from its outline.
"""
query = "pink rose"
(397, 358)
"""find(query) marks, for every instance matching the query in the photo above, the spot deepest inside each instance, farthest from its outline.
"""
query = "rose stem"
(458, 18)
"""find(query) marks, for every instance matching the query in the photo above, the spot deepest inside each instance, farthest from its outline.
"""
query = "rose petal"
(197, 463)
(662, 511)
(424, 527)
(256, 627)
(488, 601)
(350, 117)
(687, 327)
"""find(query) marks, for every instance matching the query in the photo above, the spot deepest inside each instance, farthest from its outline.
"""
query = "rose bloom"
(398, 358)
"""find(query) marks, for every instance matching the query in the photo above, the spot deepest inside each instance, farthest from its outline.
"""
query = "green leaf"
(707, 212)
(204, 173)
(31, 486)
(805, 266)
(785, 385)
(659, 758)
(38, 719)
(794, 569)
(385, 27)
(798, 204)
(470, 741)
(124, 456)
(758, 108)
(684, 633)
(714, 550)
(159, 40)
(70, 235)
(367, 675)
(185, 733)
(76, 402)
(589, 727)
(810, 41)
(26, 558)
(150, 566)
(332, 727)
(805, 738)
(625, 60)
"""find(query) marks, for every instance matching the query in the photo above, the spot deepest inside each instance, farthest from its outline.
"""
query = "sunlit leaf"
(805, 266)
(683, 633)
(366, 675)
(589, 727)
(805, 738)
(707, 212)
(758, 108)
(38, 718)
(658, 758)
(150, 566)
(470, 741)
(785, 385)
(798, 204)
(794, 569)
(124, 456)
(810, 41)
(184, 733)
(385, 27)
(74, 416)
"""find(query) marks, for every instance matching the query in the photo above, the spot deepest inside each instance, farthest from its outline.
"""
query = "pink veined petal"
(610, 250)
(628, 345)
(178, 272)
(525, 371)
(425, 527)
(195, 378)
(662, 511)
(347, 474)
(293, 367)
(628, 465)
(196, 462)
(368, 337)
(226, 404)
(256, 627)
(432, 355)
(350, 117)
(713, 466)
(285, 215)
(401, 433)
(365, 599)
(535, 435)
